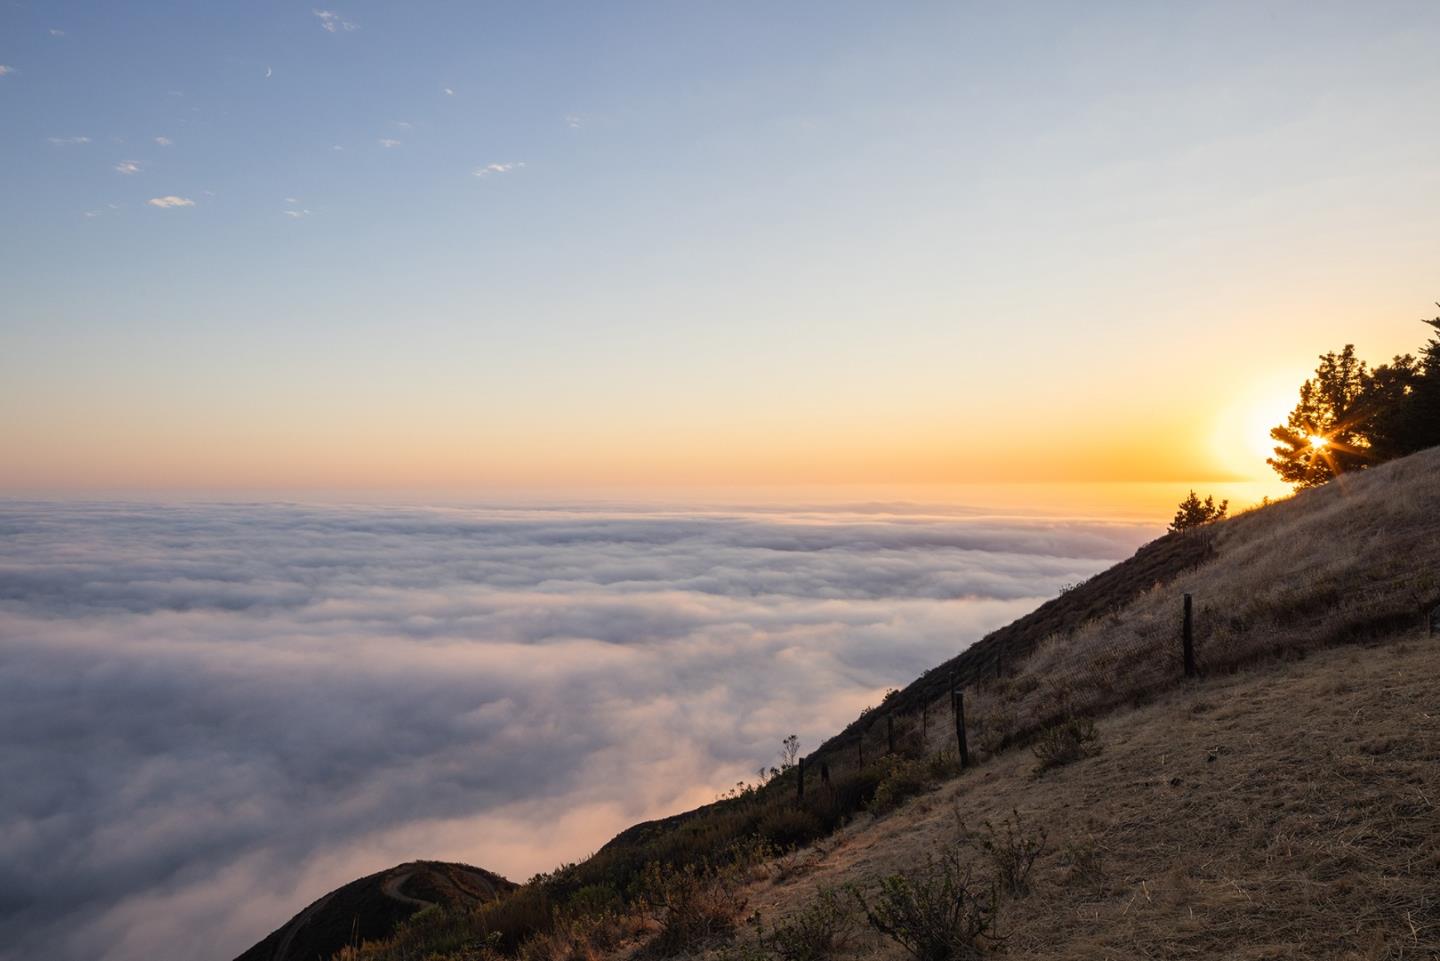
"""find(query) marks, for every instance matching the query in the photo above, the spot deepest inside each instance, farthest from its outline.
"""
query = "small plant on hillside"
(1065, 743)
(815, 933)
(938, 913)
(903, 779)
(694, 906)
(575, 938)
(786, 826)
(1013, 851)
(1193, 512)
(942, 766)
(994, 729)
(1085, 860)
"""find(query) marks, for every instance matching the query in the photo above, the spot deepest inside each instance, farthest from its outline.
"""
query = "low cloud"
(213, 714)
(490, 170)
(67, 141)
(128, 167)
(164, 141)
(170, 201)
(388, 142)
(6, 71)
(332, 22)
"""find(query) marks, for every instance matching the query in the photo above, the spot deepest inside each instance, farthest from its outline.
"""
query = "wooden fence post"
(1187, 639)
(957, 701)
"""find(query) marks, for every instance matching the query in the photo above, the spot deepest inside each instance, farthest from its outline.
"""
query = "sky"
(272, 246)
(213, 714)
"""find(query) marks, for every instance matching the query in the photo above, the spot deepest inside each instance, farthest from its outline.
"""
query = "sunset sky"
(455, 245)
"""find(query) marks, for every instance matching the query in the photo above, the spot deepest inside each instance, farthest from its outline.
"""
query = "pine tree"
(1325, 434)
(1194, 512)
(1424, 404)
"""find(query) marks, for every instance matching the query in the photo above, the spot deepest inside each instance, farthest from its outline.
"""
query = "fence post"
(1187, 639)
(890, 733)
(800, 781)
(957, 701)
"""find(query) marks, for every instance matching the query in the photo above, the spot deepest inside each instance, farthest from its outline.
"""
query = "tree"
(1388, 411)
(1194, 512)
(1422, 425)
(1351, 417)
(1325, 435)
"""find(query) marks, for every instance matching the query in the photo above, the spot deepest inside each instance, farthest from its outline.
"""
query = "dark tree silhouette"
(1350, 417)
(1194, 512)
(1324, 436)
(1422, 420)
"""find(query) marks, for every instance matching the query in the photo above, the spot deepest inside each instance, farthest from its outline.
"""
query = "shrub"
(942, 766)
(994, 729)
(815, 933)
(787, 826)
(1086, 861)
(594, 899)
(936, 914)
(854, 792)
(694, 906)
(517, 916)
(1012, 852)
(903, 779)
(1065, 743)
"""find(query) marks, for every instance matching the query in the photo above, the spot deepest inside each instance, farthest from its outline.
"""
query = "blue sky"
(855, 224)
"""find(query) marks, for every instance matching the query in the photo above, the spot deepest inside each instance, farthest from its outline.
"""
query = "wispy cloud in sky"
(56, 33)
(496, 168)
(388, 142)
(212, 715)
(333, 22)
(5, 71)
(66, 141)
(170, 200)
(574, 121)
(128, 167)
(448, 92)
(164, 141)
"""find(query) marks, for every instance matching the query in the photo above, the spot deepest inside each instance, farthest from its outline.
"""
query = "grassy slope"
(1292, 812)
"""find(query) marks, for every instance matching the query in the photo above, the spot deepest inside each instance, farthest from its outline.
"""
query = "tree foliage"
(1351, 416)
(1194, 512)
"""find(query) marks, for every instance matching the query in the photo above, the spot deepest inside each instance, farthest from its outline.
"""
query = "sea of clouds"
(212, 714)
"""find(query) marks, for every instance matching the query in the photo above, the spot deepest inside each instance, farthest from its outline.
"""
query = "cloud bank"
(210, 715)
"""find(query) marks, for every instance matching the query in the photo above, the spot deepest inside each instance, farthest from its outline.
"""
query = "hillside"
(1281, 805)
(370, 908)
(1292, 812)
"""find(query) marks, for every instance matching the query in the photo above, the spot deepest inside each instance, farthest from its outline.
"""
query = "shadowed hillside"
(370, 908)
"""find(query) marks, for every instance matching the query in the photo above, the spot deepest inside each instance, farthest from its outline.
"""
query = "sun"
(1318, 442)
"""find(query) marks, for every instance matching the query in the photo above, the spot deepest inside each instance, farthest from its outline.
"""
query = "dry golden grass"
(1351, 561)
(1289, 812)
